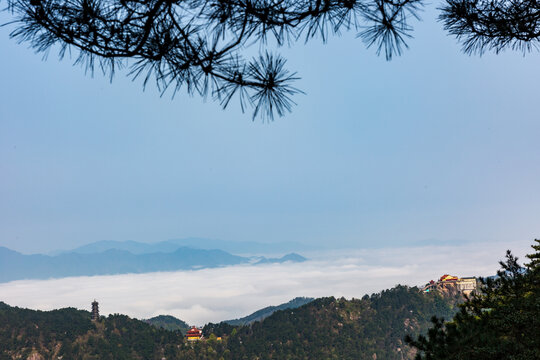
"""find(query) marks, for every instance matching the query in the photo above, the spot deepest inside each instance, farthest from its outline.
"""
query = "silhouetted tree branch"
(493, 24)
(198, 44)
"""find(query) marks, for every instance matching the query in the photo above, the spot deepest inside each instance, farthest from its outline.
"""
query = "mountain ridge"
(244, 248)
(168, 322)
(17, 266)
(265, 312)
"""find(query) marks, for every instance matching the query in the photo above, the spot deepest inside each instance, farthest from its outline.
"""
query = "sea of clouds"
(212, 295)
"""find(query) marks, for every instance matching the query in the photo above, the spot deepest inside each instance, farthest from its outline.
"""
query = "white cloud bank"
(218, 294)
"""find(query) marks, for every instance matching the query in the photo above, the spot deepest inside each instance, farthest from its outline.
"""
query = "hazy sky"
(434, 145)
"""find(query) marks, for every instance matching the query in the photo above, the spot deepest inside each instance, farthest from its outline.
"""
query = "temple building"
(194, 334)
(447, 282)
(448, 279)
(467, 285)
(95, 310)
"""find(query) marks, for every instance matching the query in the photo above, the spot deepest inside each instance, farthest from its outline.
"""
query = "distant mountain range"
(262, 314)
(244, 248)
(16, 266)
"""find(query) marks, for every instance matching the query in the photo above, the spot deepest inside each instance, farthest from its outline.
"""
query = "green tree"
(501, 322)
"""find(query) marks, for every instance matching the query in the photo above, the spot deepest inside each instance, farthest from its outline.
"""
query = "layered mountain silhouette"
(234, 247)
(16, 266)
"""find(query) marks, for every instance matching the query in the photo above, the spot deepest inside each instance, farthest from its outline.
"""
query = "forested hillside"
(327, 328)
(262, 314)
(168, 322)
(69, 333)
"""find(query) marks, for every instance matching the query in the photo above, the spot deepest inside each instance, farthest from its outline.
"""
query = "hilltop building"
(430, 286)
(447, 282)
(194, 334)
(447, 279)
(95, 310)
(467, 285)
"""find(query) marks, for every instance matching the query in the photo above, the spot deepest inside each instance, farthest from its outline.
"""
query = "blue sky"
(433, 146)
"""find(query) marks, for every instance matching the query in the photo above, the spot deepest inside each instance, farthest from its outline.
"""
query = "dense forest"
(168, 322)
(70, 334)
(327, 328)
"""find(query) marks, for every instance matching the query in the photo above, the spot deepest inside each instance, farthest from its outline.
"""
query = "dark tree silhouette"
(198, 44)
(493, 24)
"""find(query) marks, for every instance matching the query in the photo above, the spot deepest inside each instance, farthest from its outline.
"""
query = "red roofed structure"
(447, 282)
(194, 334)
(448, 278)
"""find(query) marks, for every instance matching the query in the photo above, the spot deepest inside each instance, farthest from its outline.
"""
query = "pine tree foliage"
(495, 25)
(535, 257)
(502, 322)
(198, 44)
